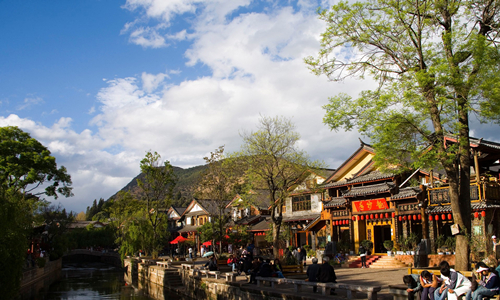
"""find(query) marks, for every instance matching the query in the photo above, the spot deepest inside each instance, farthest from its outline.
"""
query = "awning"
(178, 239)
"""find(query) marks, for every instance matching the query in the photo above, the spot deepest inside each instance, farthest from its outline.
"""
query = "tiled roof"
(188, 228)
(312, 223)
(301, 218)
(336, 202)
(370, 189)
(371, 176)
(263, 225)
(179, 210)
(211, 206)
(447, 208)
(248, 220)
(408, 192)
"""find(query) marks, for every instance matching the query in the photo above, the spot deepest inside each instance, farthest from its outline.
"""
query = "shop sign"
(367, 205)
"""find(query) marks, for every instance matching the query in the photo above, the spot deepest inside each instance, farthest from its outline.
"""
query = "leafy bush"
(440, 241)
(290, 260)
(388, 245)
(367, 244)
(311, 253)
(40, 262)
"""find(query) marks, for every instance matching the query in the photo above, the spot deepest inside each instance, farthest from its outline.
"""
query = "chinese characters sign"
(367, 205)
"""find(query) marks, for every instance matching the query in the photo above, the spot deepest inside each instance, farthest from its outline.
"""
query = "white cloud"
(150, 82)
(256, 60)
(29, 102)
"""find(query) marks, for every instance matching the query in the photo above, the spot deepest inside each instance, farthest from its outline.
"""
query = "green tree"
(217, 185)
(436, 62)
(274, 162)
(27, 172)
(124, 211)
(26, 165)
(157, 190)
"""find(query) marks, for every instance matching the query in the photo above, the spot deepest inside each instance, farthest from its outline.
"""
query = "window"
(301, 203)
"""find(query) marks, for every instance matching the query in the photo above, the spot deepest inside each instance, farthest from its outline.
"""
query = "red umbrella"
(178, 239)
(209, 243)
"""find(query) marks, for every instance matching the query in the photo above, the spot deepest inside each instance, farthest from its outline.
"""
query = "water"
(95, 281)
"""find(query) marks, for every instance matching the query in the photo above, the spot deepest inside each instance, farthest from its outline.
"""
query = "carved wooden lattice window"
(300, 203)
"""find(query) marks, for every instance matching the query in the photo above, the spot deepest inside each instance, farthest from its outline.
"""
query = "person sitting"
(231, 261)
(265, 269)
(488, 285)
(212, 264)
(326, 273)
(413, 283)
(312, 273)
(277, 268)
(455, 284)
(429, 283)
(255, 269)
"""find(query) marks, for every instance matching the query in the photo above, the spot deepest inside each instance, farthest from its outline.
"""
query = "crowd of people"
(452, 284)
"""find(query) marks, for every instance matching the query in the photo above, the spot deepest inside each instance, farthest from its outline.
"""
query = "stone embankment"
(157, 280)
(37, 279)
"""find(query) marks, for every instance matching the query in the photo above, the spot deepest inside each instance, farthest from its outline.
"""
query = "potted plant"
(368, 245)
(440, 241)
(388, 245)
(450, 244)
(412, 241)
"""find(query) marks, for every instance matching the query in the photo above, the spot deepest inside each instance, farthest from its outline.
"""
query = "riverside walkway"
(357, 276)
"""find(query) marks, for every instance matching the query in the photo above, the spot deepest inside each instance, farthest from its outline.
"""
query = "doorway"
(381, 234)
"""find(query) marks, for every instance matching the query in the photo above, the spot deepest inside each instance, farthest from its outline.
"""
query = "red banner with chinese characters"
(367, 205)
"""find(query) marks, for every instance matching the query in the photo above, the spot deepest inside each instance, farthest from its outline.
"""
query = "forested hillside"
(184, 189)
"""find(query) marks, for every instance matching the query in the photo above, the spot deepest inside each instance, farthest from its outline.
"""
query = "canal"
(84, 281)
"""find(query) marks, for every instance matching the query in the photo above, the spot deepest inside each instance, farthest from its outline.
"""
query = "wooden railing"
(480, 191)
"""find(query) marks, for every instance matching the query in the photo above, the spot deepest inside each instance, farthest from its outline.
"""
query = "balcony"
(481, 191)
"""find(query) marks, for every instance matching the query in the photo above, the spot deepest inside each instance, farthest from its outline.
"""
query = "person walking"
(362, 254)
(303, 255)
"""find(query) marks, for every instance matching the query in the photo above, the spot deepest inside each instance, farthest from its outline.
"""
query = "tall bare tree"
(273, 161)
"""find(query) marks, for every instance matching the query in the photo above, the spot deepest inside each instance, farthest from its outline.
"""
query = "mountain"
(184, 189)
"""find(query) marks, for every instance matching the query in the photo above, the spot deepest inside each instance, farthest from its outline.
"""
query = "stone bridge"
(86, 255)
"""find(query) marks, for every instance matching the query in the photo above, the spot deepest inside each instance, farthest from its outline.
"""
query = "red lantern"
(336, 222)
(371, 216)
(430, 218)
(393, 215)
(449, 216)
(443, 217)
(357, 218)
(347, 222)
(405, 218)
(400, 218)
(387, 215)
(414, 217)
(483, 214)
(362, 217)
(419, 217)
(353, 218)
(436, 218)
(476, 215)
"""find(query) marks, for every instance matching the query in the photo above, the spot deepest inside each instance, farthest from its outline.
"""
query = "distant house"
(197, 213)
(304, 206)
(84, 224)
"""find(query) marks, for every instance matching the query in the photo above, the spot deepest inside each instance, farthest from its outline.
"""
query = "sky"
(101, 82)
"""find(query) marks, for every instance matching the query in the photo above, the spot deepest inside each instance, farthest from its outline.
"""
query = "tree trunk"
(276, 240)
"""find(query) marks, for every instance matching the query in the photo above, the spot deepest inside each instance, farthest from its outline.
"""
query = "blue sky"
(100, 82)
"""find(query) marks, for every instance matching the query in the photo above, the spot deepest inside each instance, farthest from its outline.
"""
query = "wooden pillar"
(307, 237)
(476, 166)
